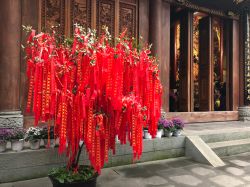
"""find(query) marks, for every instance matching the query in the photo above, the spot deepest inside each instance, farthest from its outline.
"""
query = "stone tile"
(107, 175)
(235, 171)
(247, 178)
(135, 172)
(154, 180)
(6, 185)
(41, 182)
(181, 163)
(122, 182)
(186, 180)
(227, 181)
(202, 171)
(240, 163)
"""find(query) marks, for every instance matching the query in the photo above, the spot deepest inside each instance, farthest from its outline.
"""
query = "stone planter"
(3, 146)
(52, 143)
(177, 132)
(159, 133)
(147, 135)
(34, 144)
(168, 133)
(17, 145)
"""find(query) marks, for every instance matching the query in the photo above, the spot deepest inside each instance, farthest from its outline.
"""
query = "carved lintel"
(11, 119)
(195, 7)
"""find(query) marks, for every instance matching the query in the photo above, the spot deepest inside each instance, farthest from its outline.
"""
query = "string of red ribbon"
(93, 92)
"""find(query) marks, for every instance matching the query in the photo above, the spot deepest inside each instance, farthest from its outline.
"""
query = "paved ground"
(215, 127)
(168, 173)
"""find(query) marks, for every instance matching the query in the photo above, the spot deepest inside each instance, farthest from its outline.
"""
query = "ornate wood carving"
(247, 57)
(188, 4)
(53, 13)
(127, 19)
(129, 1)
(105, 15)
(80, 13)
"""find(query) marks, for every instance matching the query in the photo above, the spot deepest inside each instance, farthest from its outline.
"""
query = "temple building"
(203, 49)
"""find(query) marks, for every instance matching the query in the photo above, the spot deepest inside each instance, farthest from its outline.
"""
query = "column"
(159, 36)
(10, 37)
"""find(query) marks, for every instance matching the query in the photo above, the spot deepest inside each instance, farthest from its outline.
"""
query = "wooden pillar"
(144, 19)
(186, 61)
(30, 16)
(234, 65)
(206, 88)
(10, 37)
(159, 36)
(165, 54)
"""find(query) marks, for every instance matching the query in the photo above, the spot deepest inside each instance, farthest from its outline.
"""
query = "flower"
(167, 124)
(33, 133)
(5, 134)
(17, 134)
(178, 123)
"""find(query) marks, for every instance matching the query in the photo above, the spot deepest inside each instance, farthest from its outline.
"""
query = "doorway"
(199, 70)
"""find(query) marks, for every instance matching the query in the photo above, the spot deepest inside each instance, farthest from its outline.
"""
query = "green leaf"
(61, 180)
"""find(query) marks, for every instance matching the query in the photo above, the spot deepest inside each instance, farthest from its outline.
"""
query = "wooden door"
(206, 88)
(186, 56)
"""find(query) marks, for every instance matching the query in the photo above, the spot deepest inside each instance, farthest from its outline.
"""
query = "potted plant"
(168, 127)
(178, 125)
(159, 131)
(4, 137)
(33, 136)
(48, 136)
(17, 139)
(92, 91)
(147, 135)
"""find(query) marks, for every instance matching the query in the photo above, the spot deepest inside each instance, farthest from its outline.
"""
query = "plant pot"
(147, 135)
(159, 133)
(177, 132)
(3, 146)
(168, 133)
(52, 143)
(89, 183)
(117, 139)
(34, 144)
(17, 145)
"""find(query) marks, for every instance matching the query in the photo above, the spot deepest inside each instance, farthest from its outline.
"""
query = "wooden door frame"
(198, 117)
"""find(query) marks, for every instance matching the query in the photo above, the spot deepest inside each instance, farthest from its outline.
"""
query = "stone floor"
(168, 173)
(215, 127)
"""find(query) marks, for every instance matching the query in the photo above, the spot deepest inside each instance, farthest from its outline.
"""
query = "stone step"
(226, 135)
(29, 164)
(231, 147)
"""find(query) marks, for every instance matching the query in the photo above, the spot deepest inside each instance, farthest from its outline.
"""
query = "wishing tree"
(93, 92)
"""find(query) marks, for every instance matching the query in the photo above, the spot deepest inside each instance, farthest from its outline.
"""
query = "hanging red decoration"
(93, 92)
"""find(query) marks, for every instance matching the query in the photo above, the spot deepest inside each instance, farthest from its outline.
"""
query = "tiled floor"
(168, 173)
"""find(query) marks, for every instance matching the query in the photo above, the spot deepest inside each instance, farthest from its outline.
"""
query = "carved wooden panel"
(105, 15)
(80, 13)
(53, 14)
(127, 19)
(129, 1)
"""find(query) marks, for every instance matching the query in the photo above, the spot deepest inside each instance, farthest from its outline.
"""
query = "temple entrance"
(199, 68)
